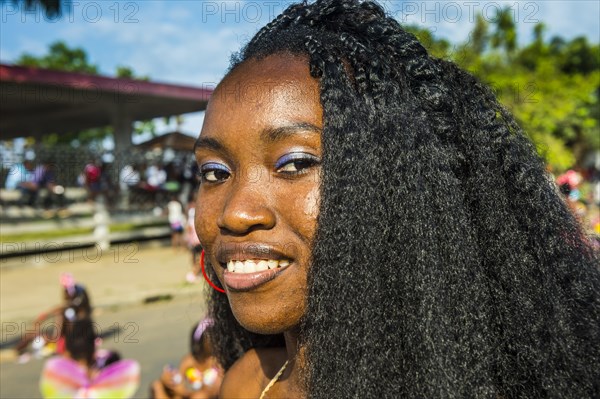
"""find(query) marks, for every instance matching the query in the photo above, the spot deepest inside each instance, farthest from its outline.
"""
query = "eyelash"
(300, 161)
(306, 160)
(212, 167)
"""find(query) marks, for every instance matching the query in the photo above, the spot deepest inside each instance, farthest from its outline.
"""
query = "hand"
(172, 381)
(170, 376)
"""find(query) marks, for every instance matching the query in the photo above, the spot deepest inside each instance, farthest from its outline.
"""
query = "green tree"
(505, 33)
(128, 73)
(580, 57)
(480, 36)
(551, 86)
(538, 50)
(60, 57)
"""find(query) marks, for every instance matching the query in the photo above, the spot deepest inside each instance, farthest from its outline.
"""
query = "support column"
(122, 132)
(123, 129)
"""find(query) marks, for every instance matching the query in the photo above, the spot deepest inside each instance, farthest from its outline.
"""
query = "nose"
(246, 208)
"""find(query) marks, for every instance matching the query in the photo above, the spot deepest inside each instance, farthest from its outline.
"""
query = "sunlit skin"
(259, 154)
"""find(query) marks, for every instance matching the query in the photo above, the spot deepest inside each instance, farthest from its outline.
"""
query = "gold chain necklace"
(274, 380)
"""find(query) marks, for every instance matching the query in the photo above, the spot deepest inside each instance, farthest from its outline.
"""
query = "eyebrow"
(209, 143)
(270, 135)
(276, 134)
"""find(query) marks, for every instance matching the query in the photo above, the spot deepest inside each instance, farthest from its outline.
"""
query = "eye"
(296, 163)
(214, 172)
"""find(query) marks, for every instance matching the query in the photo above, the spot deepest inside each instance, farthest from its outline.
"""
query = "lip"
(243, 251)
(249, 250)
(249, 281)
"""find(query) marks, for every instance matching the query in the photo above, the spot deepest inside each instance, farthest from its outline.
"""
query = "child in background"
(199, 374)
(193, 243)
(82, 373)
(76, 306)
(176, 221)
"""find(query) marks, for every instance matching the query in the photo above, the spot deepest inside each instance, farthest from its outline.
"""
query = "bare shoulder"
(251, 373)
(242, 380)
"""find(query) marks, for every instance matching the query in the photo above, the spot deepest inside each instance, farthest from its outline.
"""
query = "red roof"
(39, 101)
(82, 81)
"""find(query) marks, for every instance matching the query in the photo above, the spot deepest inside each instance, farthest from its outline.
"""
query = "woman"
(382, 227)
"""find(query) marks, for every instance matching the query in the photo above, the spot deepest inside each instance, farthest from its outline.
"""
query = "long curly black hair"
(445, 263)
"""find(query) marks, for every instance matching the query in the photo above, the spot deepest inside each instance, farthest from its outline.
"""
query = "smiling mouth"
(245, 275)
(255, 265)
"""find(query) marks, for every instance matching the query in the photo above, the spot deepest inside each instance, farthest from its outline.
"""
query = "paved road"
(122, 275)
(119, 281)
(153, 334)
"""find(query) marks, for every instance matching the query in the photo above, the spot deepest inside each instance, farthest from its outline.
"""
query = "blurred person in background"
(45, 181)
(76, 305)
(193, 243)
(198, 376)
(84, 371)
(129, 180)
(176, 221)
(21, 177)
(91, 179)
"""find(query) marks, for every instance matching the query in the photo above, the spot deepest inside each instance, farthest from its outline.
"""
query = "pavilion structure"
(176, 141)
(35, 102)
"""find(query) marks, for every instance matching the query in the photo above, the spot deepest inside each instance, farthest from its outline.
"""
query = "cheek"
(203, 220)
(303, 212)
(311, 203)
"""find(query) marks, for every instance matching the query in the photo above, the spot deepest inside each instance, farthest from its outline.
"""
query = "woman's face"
(259, 154)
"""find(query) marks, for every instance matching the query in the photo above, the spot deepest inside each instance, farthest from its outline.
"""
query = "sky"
(190, 42)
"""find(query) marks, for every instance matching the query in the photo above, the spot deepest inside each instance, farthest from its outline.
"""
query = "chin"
(266, 320)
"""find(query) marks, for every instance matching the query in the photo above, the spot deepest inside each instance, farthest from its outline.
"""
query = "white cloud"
(165, 50)
(32, 46)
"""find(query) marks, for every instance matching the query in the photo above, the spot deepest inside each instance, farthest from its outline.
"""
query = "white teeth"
(249, 266)
(239, 267)
(255, 265)
(262, 265)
